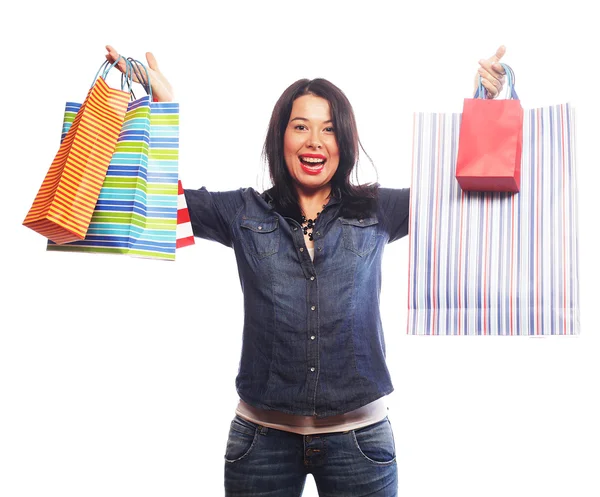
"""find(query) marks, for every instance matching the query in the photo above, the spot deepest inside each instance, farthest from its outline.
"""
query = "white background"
(117, 374)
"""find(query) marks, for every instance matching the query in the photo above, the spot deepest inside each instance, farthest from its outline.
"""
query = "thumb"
(152, 64)
(499, 53)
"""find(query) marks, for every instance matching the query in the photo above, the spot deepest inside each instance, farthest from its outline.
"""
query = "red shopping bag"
(490, 142)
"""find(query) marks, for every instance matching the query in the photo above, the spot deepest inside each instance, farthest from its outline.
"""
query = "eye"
(300, 127)
(329, 129)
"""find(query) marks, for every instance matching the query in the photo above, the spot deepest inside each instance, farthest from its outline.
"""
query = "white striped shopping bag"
(494, 263)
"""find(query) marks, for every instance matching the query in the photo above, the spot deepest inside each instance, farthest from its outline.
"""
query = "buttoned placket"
(312, 303)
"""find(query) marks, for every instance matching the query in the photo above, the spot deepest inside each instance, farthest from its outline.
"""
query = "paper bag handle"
(107, 66)
(144, 81)
(510, 78)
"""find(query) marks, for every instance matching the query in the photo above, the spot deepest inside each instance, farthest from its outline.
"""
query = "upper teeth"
(312, 159)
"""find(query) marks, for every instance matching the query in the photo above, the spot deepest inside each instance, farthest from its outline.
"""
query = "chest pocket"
(360, 235)
(260, 237)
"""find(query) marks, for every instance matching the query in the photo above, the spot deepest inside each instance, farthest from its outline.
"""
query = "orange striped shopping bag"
(494, 263)
(63, 206)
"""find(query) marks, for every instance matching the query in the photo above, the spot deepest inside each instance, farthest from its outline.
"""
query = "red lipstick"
(312, 168)
(314, 156)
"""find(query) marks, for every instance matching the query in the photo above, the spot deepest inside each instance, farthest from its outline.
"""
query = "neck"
(312, 201)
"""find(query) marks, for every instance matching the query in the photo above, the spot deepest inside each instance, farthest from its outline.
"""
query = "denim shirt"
(312, 341)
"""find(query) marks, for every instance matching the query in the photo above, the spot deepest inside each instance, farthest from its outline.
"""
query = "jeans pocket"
(241, 439)
(260, 237)
(360, 235)
(376, 442)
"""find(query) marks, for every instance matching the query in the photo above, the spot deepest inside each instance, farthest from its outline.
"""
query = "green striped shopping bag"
(136, 212)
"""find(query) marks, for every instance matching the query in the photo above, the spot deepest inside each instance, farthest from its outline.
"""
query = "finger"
(494, 80)
(152, 64)
(492, 64)
(113, 55)
(493, 91)
(499, 53)
(494, 70)
(498, 69)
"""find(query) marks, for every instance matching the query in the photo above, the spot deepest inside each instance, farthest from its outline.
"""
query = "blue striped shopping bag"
(494, 263)
(137, 210)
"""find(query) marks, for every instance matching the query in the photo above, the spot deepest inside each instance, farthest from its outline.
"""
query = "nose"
(314, 141)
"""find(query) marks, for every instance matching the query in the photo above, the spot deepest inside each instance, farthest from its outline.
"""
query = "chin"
(313, 185)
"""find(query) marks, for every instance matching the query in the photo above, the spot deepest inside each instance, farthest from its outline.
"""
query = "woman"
(312, 379)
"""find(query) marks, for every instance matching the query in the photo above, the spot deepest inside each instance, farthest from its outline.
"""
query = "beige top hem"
(311, 425)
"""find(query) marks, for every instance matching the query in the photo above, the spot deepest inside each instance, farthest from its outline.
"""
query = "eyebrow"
(304, 119)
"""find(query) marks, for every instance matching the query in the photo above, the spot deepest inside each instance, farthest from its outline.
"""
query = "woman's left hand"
(492, 73)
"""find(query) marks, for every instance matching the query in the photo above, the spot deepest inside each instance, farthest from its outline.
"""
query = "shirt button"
(312, 370)
(260, 227)
(319, 249)
(312, 307)
(312, 278)
(360, 220)
(301, 249)
(312, 337)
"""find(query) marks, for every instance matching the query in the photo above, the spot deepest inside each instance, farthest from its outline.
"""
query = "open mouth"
(312, 164)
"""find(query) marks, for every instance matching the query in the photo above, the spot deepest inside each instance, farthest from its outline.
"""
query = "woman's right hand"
(161, 88)
(491, 74)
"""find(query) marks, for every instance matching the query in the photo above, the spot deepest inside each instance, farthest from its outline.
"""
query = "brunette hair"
(357, 200)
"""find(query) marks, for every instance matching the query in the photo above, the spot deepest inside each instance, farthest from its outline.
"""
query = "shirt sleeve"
(212, 213)
(393, 211)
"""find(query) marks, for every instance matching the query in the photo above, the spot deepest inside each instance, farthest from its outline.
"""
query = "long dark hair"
(357, 200)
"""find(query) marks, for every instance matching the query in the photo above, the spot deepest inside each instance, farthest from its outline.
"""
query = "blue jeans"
(265, 462)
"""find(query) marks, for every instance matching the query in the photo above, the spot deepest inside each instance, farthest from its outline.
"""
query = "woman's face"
(309, 145)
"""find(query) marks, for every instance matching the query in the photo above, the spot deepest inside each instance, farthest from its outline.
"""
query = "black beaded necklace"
(308, 224)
